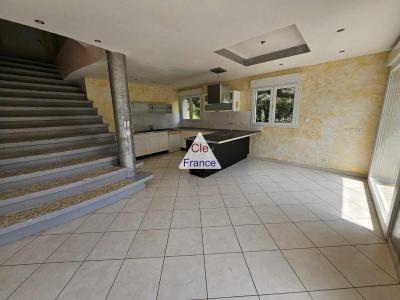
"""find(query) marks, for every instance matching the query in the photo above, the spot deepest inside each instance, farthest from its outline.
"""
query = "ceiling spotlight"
(97, 41)
(281, 64)
(341, 51)
(41, 22)
(262, 42)
(340, 30)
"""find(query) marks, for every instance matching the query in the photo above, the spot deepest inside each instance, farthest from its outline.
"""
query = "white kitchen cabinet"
(163, 141)
(174, 141)
(139, 141)
(152, 142)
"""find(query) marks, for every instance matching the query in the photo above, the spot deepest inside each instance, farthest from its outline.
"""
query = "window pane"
(263, 99)
(196, 108)
(186, 108)
(284, 105)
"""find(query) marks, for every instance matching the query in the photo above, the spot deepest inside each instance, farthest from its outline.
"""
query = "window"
(275, 101)
(191, 107)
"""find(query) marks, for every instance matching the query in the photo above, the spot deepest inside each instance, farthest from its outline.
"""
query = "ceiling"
(174, 41)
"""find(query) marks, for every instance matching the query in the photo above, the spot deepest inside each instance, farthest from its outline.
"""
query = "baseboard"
(336, 171)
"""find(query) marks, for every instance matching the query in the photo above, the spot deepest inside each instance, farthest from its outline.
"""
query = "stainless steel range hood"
(217, 93)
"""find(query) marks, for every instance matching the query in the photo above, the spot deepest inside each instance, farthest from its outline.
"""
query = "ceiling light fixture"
(281, 64)
(97, 41)
(341, 51)
(41, 22)
(340, 30)
(262, 42)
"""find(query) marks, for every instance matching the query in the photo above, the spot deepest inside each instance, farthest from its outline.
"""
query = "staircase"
(57, 159)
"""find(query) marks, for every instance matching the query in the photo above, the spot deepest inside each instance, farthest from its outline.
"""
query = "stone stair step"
(13, 64)
(41, 94)
(38, 86)
(37, 111)
(22, 177)
(45, 158)
(24, 223)
(28, 122)
(25, 134)
(34, 79)
(24, 72)
(14, 101)
(33, 146)
(22, 198)
(27, 61)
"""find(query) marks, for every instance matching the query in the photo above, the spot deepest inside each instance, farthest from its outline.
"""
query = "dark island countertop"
(224, 136)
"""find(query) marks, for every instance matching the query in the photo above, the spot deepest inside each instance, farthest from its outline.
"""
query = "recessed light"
(41, 22)
(340, 30)
(281, 64)
(341, 51)
(218, 70)
(262, 42)
(97, 41)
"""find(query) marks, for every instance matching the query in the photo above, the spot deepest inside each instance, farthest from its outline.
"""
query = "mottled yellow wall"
(337, 99)
(98, 91)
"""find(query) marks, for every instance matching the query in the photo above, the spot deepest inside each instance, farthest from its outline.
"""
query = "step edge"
(72, 185)
(10, 90)
(11, 58)
(44, 118)
(20, 230)
(50, 128)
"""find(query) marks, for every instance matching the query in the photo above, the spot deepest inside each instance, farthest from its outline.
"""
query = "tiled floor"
(257, 230)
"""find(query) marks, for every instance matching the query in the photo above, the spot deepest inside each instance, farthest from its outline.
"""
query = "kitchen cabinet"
(174, 141)
(139, 141)
(150, 142)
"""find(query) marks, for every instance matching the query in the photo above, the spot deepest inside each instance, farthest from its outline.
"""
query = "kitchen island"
(228, 146)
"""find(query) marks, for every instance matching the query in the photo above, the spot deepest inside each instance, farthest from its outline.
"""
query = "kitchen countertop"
(224, 136)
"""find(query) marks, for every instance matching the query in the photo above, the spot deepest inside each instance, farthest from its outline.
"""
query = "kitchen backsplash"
(145, 121)
(235, 120)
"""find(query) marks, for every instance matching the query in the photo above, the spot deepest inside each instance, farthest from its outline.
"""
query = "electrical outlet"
(355, 130)
(324, 160)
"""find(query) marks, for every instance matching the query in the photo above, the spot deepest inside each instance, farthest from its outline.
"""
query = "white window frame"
(273, 84)
(191, 94)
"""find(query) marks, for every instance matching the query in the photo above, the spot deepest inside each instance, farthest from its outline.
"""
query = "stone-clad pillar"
(122, 110)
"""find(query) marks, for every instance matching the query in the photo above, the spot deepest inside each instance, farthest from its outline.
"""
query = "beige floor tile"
(239, 298)
(259, 199)
(321, 234)
(227, 276)
(220, 240)
(243, 216)
(137, 205)
(215, 217)
(38, 250)
(68, 227)
(156, 220)
(186, 218)
(187, 241)
(235, 200)
(92, 281)
(305, 197)
(380, 254)
(271, 214)
(126, 221)
(271, 273)
(281, 198)
(12, 276)
(139, 277)
(354, 233)
(149, 243)
(298, 213)
(254, 238)
(76, 248)
(96, 223)
(162, 203)
(183, 277)
(113, 208)
(288, 236)
(113, 245)
(287, 296)
(391, 292)
(229, 189)
(345, 294)
(208, 189)
(211, 201)
(8, 250)
(187, 202)
(357, 268)
(47, 282)
(314, 270)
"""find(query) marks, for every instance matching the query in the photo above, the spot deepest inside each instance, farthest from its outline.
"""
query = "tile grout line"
(202, 244)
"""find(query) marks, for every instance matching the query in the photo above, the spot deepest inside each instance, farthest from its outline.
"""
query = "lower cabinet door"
(163, 141)
(140, 144)
(153, 143)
